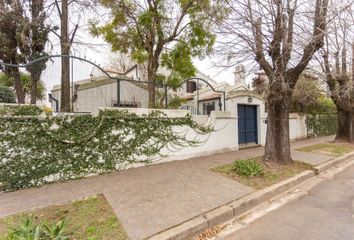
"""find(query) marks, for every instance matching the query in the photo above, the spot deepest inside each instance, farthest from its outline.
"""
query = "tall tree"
(145, 28)
(26, 81)
(65, 44)
(11, 18)
(335, 60)
(34, 34)
(70, 14)
(277, 34)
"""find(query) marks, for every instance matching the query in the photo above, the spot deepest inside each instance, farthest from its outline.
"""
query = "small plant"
(29, 230)
(26, 230)
(248, 168)
(55, 231)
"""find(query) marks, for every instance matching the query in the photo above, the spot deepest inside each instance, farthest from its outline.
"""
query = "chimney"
(240, 75)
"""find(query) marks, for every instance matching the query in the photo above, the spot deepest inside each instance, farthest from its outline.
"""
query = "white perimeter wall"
(297, 126)
(225, 137)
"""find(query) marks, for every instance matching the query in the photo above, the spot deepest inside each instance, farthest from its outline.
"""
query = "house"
(99, 90)
(238, 99)
(249, 108)
(245, 109)
(90, 94)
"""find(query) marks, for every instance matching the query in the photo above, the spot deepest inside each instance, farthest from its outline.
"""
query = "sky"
(100, 55)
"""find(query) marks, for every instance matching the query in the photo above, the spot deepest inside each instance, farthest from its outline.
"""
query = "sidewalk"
(150, 199)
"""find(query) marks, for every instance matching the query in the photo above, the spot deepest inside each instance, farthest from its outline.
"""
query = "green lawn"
(329, 148)
(273, 172)
(88, 219)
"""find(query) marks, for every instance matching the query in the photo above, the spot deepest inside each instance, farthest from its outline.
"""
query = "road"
(326, 213)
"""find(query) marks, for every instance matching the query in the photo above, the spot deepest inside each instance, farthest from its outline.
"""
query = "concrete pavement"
(326, 213)
(149, 199)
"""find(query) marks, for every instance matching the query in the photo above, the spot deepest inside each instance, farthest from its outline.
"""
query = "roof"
(219, 87)
(187, 97)
(242, 93)
(97, 82)
(210, 96)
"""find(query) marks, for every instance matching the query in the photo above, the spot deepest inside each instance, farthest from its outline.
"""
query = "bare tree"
(67, 11)
(335, 59)
(122, 62)
(277, 34)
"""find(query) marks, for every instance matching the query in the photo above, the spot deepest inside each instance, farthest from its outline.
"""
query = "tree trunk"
(65, 61)
(152, 69)
(35, 76)
(352, 98)
(18, 85)
(344, 123)
(277, 146)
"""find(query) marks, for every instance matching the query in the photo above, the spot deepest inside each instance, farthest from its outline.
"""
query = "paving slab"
(149, 199)
(310, 158)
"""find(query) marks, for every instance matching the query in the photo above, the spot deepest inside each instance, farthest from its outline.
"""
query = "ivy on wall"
(321, 125)
(38, 150)
(19, 110)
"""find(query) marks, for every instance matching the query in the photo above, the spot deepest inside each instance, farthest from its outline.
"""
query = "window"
(191, 86)
(128, 104)
(208, 107)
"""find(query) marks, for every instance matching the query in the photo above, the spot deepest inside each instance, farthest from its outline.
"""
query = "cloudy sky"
(100, 52)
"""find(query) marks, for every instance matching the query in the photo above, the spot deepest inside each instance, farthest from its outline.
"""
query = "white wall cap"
(172, 113)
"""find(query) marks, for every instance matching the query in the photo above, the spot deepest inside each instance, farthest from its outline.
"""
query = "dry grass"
(273, 172)
(329, 148)
(88, 219)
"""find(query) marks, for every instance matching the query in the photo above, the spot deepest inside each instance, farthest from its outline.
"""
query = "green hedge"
(39, 150)
(20, 110)
(7, 95)
(321, 125)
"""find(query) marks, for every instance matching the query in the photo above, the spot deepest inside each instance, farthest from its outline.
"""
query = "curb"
(332, 163)
(233, 209)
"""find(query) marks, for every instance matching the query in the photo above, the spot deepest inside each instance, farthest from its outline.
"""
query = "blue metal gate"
(247, 124)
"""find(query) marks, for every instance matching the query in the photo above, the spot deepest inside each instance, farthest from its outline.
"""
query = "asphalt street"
(326, 213)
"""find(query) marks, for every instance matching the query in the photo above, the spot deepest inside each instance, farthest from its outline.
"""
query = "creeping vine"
(36, 150)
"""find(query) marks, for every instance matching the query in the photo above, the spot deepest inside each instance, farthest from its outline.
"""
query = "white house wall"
(231, 106)
(90, 99)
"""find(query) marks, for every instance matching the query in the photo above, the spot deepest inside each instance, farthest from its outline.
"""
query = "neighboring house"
(101, 91)
(91, 94)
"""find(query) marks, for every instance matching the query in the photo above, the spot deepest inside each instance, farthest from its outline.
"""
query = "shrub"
(7, 95)
(248, 168)
(321, 125)
(28, 230)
